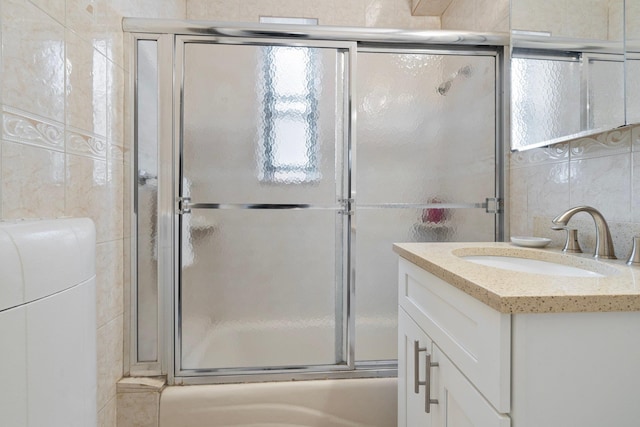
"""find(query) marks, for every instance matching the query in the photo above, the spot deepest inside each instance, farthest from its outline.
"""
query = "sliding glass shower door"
(297, 167)
(425, 169)
(263, 211)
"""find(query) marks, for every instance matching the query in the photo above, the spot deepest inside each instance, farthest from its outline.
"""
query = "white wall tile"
(115, 87)
(605, 184)
(109, 281)
(32, 182)
(32, 60)
(518, 213)
(86, 90)
(476, 15)
(354, 13)
(54, 8)
(635, 188)
(138, 409)
(603, 173)
(107, 415)
(110, 347)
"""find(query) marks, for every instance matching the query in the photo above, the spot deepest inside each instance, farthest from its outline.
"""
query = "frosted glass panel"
(545, 100)
(606, 90)
(377, 277)
(259, 288)
(426, 135)
(147, 199)
(261, 124)
(421, 120)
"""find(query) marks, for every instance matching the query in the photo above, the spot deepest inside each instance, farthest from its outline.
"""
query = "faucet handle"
(634, 256)
(572, 245)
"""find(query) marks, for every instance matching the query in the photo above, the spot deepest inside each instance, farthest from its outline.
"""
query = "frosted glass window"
(289, 137)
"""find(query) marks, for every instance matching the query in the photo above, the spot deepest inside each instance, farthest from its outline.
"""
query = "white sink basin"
(526, 265)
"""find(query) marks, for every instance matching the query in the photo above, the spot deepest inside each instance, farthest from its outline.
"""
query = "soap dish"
(530, 242)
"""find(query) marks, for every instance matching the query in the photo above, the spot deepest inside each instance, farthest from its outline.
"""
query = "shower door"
(263, 135)
(425, 170)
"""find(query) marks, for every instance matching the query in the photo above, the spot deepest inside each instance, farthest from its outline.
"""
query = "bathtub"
(370, 402)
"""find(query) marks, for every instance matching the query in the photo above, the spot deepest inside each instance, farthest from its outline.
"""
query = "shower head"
(444, 87)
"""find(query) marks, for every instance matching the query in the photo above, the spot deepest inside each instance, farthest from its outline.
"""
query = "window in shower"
(289, 103)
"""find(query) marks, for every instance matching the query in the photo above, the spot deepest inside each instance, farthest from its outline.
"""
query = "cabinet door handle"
(416, 366)
(427, 380)
(428, 401)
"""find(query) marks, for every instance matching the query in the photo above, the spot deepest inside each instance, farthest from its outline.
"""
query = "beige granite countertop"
(515, 292)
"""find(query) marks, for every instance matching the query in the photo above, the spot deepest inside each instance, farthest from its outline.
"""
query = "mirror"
(632, 41)
(567, 70)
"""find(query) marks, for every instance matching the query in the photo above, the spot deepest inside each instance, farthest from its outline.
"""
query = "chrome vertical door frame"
(132, 365)
(345, 320)
(503, 128)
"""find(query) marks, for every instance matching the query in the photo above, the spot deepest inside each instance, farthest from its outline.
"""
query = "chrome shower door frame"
(132, 362)
(170, 34)
(345, 323)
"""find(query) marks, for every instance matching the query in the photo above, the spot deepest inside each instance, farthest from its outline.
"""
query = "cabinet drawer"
(475, 337)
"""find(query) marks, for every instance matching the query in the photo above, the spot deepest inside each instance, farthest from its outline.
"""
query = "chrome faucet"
(604, 243)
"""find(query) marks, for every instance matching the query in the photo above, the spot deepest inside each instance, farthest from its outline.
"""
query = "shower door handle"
(428, 401)
(184, 205)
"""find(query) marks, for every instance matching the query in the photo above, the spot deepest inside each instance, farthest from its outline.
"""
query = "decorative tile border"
(555, 153)
(84, 144)
(606, 143)
(26, 128)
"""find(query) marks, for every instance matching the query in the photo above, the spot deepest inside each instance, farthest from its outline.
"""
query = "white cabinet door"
(459, 403)
(412, 405)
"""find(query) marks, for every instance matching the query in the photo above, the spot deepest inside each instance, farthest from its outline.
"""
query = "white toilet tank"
(47, 323)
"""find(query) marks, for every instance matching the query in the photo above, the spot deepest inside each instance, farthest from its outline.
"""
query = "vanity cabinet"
(468, 342)
(494, 369)
(454, 402)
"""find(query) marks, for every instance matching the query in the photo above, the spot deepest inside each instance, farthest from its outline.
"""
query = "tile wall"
(469, 15)
(476, 15)
(63, 151)
(604, 20)
(352, 13)
(602, 171)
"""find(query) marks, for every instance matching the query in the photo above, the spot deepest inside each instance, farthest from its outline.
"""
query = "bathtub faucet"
(604, 243)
